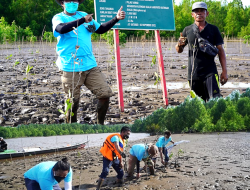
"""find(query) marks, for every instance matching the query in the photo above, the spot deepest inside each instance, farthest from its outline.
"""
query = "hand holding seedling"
(121, 14)
(182, 40)
(223, 78)
(88, 18)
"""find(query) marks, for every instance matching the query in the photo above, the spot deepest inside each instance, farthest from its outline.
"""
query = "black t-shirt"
(204, 64)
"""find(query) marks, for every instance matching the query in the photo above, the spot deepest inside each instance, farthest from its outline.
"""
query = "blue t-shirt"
(43, 174)
(162, 142)
(117, 139)
(66, 44)
(139, 151)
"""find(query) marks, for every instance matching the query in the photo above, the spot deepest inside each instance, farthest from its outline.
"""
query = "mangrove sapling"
(28, 69)
(9, 57)
(68, 107)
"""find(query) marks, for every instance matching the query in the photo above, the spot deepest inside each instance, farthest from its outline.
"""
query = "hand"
(138, 176)
(121, 165)
(182, 40)
(223, 78)
(123, 155)
(121, 14)
(162, 162)
(88, 18)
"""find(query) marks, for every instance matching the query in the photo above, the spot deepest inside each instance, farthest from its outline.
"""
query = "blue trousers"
(115, 164)
(165, 152)
(33, 185)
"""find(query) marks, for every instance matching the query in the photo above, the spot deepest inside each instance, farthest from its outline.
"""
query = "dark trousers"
(33, 185)
(206, 88)
(115, 164)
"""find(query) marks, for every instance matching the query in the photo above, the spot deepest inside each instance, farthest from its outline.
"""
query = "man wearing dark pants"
(112, 151)
(202, 71)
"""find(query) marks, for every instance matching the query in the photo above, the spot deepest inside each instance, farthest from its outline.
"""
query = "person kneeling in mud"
(139, 152)
(47, 175)
(161, 144)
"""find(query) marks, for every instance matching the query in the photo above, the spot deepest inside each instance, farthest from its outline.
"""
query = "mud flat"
(38, 100)
(209, 161)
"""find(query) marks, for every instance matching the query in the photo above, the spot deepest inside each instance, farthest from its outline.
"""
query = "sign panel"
(140, 14)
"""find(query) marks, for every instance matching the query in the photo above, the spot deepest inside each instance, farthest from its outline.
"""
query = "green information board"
(140, 14)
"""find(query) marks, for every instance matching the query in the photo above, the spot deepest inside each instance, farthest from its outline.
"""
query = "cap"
(199, 5)
(58, 1)
(1, 137)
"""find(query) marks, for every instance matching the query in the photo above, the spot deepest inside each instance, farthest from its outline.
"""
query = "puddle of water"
(65, 140)
(179, 85)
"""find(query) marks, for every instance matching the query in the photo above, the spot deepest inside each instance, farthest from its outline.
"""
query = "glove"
(123, 155)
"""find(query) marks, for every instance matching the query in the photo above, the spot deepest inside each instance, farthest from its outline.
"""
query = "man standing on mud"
(202, 70)
(112, 151)
(76, 61)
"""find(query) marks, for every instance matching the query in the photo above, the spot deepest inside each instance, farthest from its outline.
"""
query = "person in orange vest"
(112, 151)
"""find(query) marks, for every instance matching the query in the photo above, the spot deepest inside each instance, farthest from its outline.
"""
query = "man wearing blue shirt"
(139, 152)
(47, 175)
(76, 60)
(161, 144)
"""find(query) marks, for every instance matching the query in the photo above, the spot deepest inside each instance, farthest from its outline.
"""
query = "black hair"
(168, 133)
(125, 128)
(62, 165)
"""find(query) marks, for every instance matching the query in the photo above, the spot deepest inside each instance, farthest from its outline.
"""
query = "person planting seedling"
(161, 144)
(76, 60)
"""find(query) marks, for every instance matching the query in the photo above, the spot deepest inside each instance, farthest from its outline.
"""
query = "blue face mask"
(71, 7)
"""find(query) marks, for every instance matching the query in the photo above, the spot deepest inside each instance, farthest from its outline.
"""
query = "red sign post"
(161, 66)
(118, 69)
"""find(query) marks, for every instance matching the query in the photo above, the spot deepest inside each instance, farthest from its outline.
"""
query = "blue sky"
(244, 2)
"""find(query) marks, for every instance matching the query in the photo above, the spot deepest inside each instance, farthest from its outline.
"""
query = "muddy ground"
(39, 103)
(209, 161)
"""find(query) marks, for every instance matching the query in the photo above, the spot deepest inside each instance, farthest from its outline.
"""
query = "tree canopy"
(232, 18)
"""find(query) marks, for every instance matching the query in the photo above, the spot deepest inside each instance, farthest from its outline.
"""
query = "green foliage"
(194, 115)
(12, 33)
(109, 37)
(33, 130)
(49, 37)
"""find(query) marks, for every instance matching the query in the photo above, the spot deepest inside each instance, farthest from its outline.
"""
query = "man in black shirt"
(202, 71)
(3, 145)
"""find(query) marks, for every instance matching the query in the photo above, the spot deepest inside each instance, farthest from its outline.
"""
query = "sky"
(244, 2)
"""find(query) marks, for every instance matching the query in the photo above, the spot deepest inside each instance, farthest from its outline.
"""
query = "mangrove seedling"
(68, 107)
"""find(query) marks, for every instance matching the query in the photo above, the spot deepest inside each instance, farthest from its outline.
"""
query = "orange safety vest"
(108, 149)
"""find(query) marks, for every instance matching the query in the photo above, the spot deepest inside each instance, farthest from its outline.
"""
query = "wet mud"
(37, 97)
(209, 161)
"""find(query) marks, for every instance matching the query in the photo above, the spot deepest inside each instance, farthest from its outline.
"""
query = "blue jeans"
(165, 152)
(115, 164)
(33, 185)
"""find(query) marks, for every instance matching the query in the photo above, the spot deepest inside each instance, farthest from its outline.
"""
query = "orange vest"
(108, 149)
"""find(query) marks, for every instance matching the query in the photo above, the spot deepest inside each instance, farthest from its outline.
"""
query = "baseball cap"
(199, 5)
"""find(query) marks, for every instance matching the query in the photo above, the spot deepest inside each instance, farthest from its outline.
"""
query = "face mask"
(126, 137)
(58, 178)
(71, 7)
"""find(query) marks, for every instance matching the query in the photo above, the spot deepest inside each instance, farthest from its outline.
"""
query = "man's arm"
(223, 62)
(161, 155)
(63, 28)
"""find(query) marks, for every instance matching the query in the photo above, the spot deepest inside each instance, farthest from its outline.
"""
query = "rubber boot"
(100, 181)
(102, 108)
(75, 106)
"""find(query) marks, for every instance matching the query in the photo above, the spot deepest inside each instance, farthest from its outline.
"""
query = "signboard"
(140, 14)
